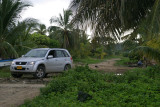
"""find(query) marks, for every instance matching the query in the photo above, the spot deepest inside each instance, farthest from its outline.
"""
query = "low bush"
(4, 72)
(123, 61)
(138, 87)
(125, 54)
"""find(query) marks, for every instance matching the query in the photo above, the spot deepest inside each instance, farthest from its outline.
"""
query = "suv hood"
(28, 59)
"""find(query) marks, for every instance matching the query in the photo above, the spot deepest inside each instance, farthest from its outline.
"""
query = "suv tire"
(67, 67)
(16, 75)
(40, 72)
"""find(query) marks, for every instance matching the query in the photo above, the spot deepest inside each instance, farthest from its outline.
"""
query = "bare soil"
(108, 66)
(13, 92)
(13, 95)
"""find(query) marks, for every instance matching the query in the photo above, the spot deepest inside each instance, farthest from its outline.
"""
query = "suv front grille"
(21, 63)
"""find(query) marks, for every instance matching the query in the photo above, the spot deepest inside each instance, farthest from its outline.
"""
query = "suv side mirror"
(50, 56)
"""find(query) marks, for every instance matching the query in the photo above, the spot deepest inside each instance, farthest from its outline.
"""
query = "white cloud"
(43, 10)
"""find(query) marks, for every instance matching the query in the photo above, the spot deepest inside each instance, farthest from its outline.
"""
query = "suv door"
(51, 64)
(61, 60)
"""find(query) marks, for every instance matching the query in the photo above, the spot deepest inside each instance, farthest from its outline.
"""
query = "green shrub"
(125, 54)
(134, 88)
(4, 72)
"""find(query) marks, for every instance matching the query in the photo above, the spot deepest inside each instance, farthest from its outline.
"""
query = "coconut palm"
(148, 52)
(117, 16)
(63, 30)
(22, 31)
(112, 17)
(41, 29)
(9, 14)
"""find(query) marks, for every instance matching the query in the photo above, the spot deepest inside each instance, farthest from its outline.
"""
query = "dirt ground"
(13, 92)
(13, 95)
(108, 66)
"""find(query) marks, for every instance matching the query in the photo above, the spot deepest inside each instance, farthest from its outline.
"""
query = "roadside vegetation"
(5, 72)
(122, 62)
(138, 88)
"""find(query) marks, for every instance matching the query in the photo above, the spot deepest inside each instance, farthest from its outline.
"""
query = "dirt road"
(13, 92)
(13, 95)
(108, 66)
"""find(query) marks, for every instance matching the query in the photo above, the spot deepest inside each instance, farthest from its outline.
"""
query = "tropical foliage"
(138, 88)
(41, 29)
(44, 41)
(9, 14)
(112, 17)
(64, 28)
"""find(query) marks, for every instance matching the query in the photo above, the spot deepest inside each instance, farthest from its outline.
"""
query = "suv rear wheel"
(16, 75)
(67, 67)
(40, 72)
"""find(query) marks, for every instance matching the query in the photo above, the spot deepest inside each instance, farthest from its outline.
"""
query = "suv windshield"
(36, 53)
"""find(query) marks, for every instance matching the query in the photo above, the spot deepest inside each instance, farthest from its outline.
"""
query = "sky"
(43, 10)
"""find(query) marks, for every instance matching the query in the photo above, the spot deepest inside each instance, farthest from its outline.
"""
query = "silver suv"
(41, 61)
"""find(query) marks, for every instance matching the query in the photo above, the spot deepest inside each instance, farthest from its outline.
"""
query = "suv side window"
(66, 54)
(52, 52)
(59, 53)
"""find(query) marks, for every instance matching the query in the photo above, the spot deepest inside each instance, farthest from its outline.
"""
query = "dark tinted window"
(52, 52)
(66, 54)
(59, 53)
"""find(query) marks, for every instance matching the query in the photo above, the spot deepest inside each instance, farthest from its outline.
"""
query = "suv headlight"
(13, 63)
(31, 63)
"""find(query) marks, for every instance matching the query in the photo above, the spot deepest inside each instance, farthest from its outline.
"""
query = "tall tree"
(111, 17)
(114, 17)
(9, 14)
(41, 29)
(63, 28)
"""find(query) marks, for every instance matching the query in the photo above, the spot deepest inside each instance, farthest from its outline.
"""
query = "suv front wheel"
(40, 72)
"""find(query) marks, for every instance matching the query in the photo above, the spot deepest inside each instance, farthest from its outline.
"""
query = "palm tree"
(63, 28)
(113, 17)
(9, 14)
(22, 31)
(41, 29)
(148, 52)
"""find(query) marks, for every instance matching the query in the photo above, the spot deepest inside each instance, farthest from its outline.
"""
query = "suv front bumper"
(23, 68)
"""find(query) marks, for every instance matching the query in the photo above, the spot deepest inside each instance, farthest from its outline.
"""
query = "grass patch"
(5, 72)
(137, 88)
(122, 62)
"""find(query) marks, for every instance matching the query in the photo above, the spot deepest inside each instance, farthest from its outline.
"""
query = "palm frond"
(9, 13)
(7, 50)
(148, 52)
(41, 29)
(111, 16)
